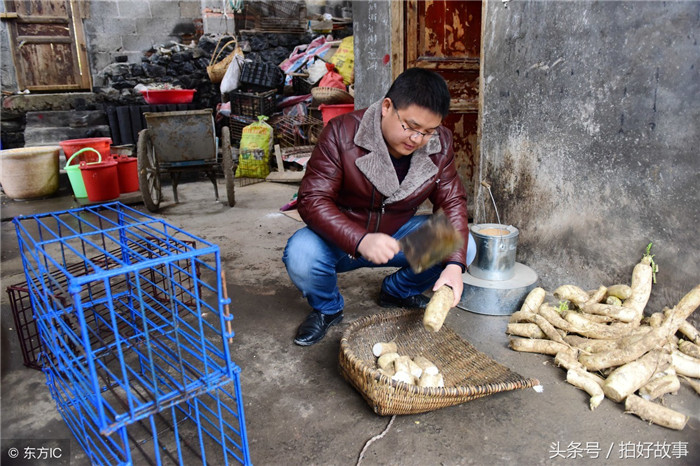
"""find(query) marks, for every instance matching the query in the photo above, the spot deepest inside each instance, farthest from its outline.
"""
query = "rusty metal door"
(445, 36)
(48, 45)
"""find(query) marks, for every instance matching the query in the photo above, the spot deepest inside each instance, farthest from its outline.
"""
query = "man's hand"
(378, 248)
(452, 276)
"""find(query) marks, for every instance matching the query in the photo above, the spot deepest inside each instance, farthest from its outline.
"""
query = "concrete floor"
(298, 408)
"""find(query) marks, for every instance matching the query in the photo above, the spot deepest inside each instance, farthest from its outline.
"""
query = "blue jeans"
(313, 265)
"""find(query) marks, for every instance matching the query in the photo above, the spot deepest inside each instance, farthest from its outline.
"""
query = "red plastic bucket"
(101, 180)
(71, 146)
(128, 174)
(331, 111)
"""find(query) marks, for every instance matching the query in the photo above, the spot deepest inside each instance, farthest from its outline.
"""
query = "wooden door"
(445, 36)
(48, 45)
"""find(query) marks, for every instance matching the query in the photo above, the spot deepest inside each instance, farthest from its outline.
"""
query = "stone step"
(67, 118)
(51, 127)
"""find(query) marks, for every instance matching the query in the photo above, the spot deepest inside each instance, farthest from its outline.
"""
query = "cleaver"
(431, 243)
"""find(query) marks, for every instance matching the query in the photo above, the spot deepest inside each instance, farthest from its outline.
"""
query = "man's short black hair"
(421, 87)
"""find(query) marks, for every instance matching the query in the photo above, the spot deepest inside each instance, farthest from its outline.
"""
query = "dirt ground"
(298, 408)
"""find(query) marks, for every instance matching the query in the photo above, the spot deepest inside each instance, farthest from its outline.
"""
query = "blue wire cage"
(206, 429)
(131, 313)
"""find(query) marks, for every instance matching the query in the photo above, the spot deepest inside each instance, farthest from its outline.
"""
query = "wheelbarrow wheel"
(228, 165)
(149, 174)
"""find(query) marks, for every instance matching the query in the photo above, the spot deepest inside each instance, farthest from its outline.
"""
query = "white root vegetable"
(659, 386)
(595, 318)
(581, 380)
(595, 330)
(547, 328)
(690, 332)
(656, 337)
(685, 365)
(620, 291)
(534, 300)
(571, 293)
(568, 362)
(617, 312)
(520, 316)
(691, 349)
(642, 276)
(653, 412)
(525, 329)
(694, 384)
(438, 307)
(427, 365)
(613, 301)
(590, 345)
(387, 360)
(538, 346)
(384, 347)
(627, 379)
(554, 318)
(597, 296)
(655, 320)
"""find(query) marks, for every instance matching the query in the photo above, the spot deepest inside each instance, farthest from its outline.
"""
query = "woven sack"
(217, 69)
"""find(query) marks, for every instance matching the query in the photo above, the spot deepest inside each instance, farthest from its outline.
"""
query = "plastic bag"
(316, 71)
(332, 78)
(254, 150)
(344, 60)
(232, 78)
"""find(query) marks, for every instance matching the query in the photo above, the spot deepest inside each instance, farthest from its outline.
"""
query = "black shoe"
(417, 301)
(314, 328)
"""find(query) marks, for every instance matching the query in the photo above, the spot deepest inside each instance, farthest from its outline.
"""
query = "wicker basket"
(331, 95)
(217, 69)
(468, 373)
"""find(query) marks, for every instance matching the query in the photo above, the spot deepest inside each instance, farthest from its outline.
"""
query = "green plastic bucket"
(75, 176)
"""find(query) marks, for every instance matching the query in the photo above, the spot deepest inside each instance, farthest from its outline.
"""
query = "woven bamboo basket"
(217, 69)
(331, 95)
(468, 373)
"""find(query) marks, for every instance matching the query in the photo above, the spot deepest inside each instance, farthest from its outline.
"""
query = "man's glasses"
(414, 132)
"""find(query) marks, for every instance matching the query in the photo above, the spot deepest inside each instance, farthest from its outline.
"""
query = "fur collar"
(377, 166)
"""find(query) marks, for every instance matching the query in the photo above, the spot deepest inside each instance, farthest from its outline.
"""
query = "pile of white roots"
(610, 349)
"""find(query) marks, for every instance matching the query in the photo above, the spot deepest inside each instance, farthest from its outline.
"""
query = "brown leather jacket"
(350, 187)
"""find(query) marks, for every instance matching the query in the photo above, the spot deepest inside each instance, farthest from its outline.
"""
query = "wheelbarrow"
(177, 142)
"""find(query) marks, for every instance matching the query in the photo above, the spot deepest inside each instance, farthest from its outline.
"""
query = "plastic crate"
(252, 104)
(258, 73)
(147, 325)
(236, 125)
(301, 84)
(205, 429)
(25, 326)
(297, 130)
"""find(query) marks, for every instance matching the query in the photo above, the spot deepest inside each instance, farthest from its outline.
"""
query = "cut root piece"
(655, 413)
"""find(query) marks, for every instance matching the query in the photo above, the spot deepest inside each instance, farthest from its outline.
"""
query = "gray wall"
(590, 136)
(372, 41)
(131, 27)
